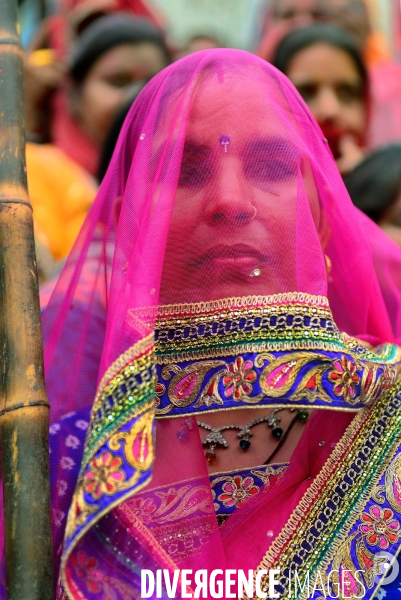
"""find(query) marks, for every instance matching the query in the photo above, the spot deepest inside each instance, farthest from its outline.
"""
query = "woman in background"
(109, 58)
(360, 18)
(324, 64)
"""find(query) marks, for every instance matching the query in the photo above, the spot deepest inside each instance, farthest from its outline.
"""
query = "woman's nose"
(230, 200)
(327, 105)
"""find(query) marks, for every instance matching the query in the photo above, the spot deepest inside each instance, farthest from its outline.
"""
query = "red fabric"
(67, 134)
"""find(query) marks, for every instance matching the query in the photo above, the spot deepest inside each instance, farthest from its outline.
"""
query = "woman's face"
(232, 231)
(108, 83)
(329, 82)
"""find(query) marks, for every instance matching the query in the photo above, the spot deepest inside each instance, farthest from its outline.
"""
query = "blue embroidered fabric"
(231, 490)
(391, 591)
(66, 446)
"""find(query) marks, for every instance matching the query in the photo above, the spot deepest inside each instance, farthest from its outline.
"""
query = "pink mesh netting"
(221, 186)
(147, 214)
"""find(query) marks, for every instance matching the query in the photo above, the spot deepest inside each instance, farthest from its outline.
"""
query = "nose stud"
(224, 141)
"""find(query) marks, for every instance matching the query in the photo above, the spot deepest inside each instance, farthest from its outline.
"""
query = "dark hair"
(375, 184)
(112, 137)
(313, 34)
(109, 31)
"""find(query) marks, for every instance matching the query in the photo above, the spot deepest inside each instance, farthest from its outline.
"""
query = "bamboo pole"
(24, 409)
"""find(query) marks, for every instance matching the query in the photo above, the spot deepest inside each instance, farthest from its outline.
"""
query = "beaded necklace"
(216, 438)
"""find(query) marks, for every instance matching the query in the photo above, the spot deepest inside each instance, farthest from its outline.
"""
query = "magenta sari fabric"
(222, 197)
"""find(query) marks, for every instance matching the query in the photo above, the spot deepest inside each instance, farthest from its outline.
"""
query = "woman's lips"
(237, 253)
(244, 261)
(241, 259)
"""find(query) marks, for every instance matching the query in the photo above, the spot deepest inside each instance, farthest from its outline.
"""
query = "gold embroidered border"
(240, 349)
(222, 473)
(242, 302)
(139, 527)
(102, 439)
(134, 351)
(330, 476)
(357, 508)
(234, 312)
(197, 308)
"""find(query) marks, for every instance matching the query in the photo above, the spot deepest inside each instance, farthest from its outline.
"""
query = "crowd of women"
(219, 242)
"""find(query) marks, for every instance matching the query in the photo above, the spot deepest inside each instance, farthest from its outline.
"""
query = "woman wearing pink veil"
(222, 271)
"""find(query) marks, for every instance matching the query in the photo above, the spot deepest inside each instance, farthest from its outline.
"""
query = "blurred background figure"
(375, 188)
(58, 24)
(351, 15)
(360, 18)
(198, 42)
(324, 63)
(111, 55)
(61, 193)
(50, 29)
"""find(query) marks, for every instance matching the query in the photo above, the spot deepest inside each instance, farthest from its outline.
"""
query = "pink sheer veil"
(221, 186)
(117, 260)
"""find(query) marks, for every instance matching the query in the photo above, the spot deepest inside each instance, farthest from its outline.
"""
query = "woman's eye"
(194, 175)
(120, 81)
(308, 91)
(262, 171)
(196, 166)
(349, 93)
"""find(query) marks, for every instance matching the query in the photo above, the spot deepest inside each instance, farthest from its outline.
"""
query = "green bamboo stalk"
(24, 408)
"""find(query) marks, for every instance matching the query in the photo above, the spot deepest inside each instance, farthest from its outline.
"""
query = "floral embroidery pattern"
(213, 356)
(72, 442)
(67, 463)
(230, 490)
(86, 569)
(104, 475)
(300, 378)
(62, 487)
(143, 509)
(345, 378)
(58, 516)
(239, 378)
(236, 491)
(119, 452)
(380, 528)
(349, 502)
